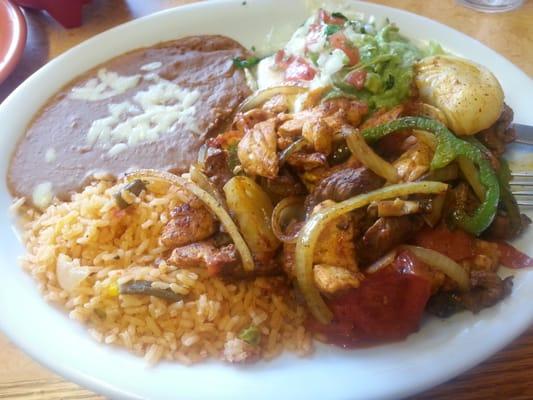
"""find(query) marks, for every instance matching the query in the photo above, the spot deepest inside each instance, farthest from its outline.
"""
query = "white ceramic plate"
(442, 348)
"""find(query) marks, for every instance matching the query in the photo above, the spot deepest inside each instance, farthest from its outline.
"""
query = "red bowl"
(12, 37)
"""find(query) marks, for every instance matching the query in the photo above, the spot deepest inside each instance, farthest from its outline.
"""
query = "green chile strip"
(135, 188)
(448, 148)
(142, 287)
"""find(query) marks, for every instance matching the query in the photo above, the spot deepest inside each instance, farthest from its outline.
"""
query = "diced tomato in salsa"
(326, 18)
(296, 68)
(388, 306)
(299, 70)
(357, 79)
(339, 41)
(315, 32)
(513, 258)
(282, 60)
(457, 244)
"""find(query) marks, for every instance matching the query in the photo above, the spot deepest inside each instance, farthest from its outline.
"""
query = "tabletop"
(506, 375)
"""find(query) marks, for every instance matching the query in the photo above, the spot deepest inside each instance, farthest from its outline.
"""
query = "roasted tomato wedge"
(388, 306)
(457, 244)
(513, 258)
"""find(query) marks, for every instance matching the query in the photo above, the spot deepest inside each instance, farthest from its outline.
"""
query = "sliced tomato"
(282, 60)
(326, 18)
(299, 70)
(388, 306)
(457, 244)
(512, 257)
(340, 41)
(357, 79)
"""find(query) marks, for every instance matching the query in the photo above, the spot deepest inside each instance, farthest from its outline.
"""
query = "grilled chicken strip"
(190, 222)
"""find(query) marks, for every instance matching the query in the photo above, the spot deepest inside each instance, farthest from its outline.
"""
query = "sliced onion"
(294, 147)
(448, 173)
(198, 177)
(384, 261)
(429, 111)
(287, 209)
(426, 137)
(471, 174)
(311, 231)
(364, 153)
(69, 273)
(314, 96)
(211, 202)
(397, 207)
(260, 97)
(437, 205)
(443, 264)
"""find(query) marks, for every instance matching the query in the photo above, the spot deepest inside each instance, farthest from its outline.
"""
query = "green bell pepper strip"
(448, 148)
(508, 201)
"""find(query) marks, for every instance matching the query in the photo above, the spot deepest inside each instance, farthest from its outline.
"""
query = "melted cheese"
(50, 155)
(107, 84)
(151, 66)
(149, 115)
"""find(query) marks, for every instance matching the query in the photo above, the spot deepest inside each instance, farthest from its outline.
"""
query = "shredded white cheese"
(106, 85)
(50, 155)
(151, 113)
(42, 195)
(117, 148)
(334, 62)
(151, 66)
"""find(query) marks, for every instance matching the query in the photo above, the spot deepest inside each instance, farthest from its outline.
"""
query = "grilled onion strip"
(364, 153)
(441, 263)
(311, 231)
(211, 202)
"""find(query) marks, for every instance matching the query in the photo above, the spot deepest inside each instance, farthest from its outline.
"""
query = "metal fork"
(522, 182)
(521, 186)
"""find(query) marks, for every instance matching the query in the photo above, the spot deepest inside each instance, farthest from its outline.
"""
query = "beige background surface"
(506, 375)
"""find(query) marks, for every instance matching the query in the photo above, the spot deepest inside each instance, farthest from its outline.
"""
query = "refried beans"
(150, 108)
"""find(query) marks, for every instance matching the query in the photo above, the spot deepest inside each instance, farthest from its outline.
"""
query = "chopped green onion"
(249, 62)
(251, 335)
(332, 29)
(339, 15)
(135, 188)
(142, 287)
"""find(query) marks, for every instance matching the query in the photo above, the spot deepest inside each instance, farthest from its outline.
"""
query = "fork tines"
(524, 197)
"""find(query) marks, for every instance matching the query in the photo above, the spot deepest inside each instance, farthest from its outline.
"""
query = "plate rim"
(86, 381)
